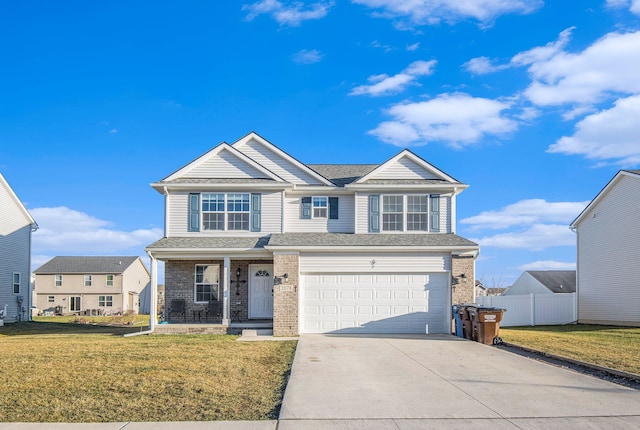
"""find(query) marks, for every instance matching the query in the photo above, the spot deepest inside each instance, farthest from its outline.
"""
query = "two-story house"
(90, 285)
(16, 226)
(313, 248)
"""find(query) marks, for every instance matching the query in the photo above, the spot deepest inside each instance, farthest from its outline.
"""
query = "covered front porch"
(209, 328)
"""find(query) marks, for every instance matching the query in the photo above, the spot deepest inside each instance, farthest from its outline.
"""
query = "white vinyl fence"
(533, 309)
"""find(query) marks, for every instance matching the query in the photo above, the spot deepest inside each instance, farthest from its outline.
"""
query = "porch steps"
(257, 332)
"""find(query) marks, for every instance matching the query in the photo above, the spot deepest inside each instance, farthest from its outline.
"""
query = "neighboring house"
(608, 234)
(496, 291)
(16, 226)
(90, 285)
(313, 248)
(544, 282)
(480, 290)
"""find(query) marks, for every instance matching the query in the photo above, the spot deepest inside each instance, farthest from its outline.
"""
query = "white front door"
(261, 291)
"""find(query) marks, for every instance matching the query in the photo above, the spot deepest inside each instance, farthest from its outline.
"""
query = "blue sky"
(535, 104)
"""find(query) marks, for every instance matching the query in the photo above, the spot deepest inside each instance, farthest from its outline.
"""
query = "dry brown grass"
(78, 373)
(614, 347)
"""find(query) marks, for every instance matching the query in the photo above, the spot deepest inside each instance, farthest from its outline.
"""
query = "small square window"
(320, 205)
(51, 299)
(105, 301)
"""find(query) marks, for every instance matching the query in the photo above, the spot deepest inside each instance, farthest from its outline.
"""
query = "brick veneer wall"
(462, 292)
(285, 295)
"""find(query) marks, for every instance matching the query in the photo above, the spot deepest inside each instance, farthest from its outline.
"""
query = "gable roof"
(343, 174)
(86, 265)
(612, 183)
(268, 146)
(18, 203)
(556, 281)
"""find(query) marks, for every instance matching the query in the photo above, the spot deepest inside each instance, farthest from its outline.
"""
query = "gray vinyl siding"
(225, 165)
(344, 223)
(178, 215)
(609, 257)
(362, 211)
(355, 262)
(15, 258)
(278, 165)
(527, 284)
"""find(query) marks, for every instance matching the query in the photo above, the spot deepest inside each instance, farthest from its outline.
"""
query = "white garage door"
(374, 303)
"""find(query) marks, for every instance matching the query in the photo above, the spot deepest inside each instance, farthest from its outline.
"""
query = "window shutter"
(435, 212)
(194, 212)
(256, 211)
(374, 213)
(305, 208)
(333, 208)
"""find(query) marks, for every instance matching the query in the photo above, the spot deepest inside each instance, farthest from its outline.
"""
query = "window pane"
(237, 202)
(212, 202)
(213, 221)
(417, 213)
(392, 204)
(238, 221)
(417, 222)
(392, 222)
(417, 204)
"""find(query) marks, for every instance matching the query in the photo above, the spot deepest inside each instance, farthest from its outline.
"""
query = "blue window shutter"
(435, 212)
(333, 208)
(194, 212)
(256, 211)
(305, 208)
(374, 213)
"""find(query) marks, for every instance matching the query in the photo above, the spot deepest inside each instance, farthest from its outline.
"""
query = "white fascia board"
(444, 188)
(18, 203)
(406, 153)
(255, 136)
(215, 151)
(162, 187)
(206, 254)
(457, 250)
(596, 200)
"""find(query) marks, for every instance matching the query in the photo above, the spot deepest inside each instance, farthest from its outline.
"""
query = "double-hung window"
(226, 211)
(88, 280)
(57, 280)
(320, 207)
(417, 213)
(16, 283)
(105, 301)
(392, 213)
(207, 282)
(109, 280)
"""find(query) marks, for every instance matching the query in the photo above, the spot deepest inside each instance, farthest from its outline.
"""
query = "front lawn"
(614, 347)
(53, 372)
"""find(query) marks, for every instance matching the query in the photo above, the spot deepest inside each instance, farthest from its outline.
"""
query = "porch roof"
(368, 240)
(221, 242)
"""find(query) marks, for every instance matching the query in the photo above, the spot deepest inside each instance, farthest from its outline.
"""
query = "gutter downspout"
(153, 306)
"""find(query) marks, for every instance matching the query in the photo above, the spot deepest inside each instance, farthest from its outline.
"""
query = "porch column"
(153, 306)
(226, 271)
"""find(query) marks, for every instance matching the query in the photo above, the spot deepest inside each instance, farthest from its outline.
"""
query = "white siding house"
(16, 226)
(608, 260)
(254, 234)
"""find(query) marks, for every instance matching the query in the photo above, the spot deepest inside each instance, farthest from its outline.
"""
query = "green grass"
(121, 320)
(614, 347)
(61, 372)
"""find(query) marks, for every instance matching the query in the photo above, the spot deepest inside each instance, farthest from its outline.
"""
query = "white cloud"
(535, 238)
(66, 231)
(307, 56)
(384, 84)
(526, 212)
(610, 66)
(419, 12)
(113, 131)
(413, 47)
(633, 5)
(607, 135)
(293, 14)
(457, 119)
(482, 66)
(548, 265)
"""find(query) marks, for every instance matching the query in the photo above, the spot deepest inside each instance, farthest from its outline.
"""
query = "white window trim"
(14, 283)
(51, 299)
(104, 302)
(406, 213)
(196, 283)
(225, 212)
(55, 280)
(326, 207)
(405, 208)
(90, 279)
(113, 280)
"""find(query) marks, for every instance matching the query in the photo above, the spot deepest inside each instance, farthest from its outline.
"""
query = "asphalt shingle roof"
(343, 174)
(210, 243)
(63, 265)
(349, 239)
(557, 281)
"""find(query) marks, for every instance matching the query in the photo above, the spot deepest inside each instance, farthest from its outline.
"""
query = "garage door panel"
(380, 303)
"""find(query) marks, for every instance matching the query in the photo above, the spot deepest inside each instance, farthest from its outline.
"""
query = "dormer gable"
(276, 160)
(223, 162)
(406, 166)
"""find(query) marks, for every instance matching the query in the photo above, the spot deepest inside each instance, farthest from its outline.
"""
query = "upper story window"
(404, 213)
(16, 283)
(110, 279)
(224, 212)
(88, 280)
(57, 280)
(320, 205)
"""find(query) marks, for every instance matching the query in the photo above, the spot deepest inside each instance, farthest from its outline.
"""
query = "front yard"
(53, 372)
(614, 347)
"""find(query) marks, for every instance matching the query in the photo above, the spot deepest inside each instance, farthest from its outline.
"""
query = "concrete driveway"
(440, 381)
